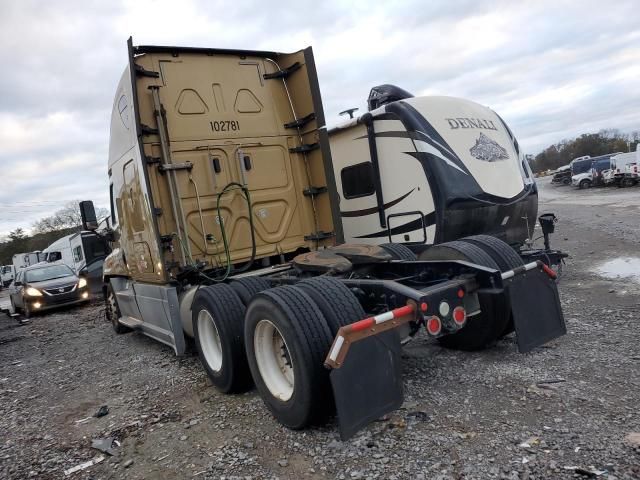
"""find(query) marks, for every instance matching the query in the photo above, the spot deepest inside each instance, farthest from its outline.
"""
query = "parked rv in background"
(22, 260)
(83, 252)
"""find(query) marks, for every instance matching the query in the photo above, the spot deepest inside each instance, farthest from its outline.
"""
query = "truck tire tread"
(308, 340)
(227, 311)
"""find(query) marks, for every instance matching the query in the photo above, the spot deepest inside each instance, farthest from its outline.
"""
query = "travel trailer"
(22, 260)
(83, 252)
(429, 170)
(231, 201)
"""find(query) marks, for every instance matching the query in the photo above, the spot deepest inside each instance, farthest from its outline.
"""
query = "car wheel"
(12, 306)
(26, 311)
(584, 184)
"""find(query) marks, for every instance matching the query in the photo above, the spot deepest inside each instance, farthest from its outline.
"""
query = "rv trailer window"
(77, 254)
(357, 180)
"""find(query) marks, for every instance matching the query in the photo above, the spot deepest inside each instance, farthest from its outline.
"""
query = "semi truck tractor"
(283, 251)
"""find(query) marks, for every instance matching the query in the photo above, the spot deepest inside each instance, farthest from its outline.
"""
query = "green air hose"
(228, 269)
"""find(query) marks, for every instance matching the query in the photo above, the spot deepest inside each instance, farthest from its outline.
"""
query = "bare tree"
(67, 217)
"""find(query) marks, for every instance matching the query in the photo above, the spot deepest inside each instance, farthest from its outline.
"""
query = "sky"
(551, 69)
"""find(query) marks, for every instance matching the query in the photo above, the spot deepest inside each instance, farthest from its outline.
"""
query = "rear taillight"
(459, 316)
(434, 325)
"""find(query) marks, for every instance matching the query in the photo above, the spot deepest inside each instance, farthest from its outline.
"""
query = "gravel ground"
(562, 411)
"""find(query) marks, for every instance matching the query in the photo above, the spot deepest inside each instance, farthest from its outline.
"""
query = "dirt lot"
(484, 415)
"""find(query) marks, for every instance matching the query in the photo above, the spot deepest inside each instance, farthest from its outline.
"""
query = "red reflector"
(460, 293)
(424, 306)
(459, 315)
(434, 326)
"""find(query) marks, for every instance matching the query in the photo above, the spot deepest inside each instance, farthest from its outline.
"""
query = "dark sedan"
(45, 286)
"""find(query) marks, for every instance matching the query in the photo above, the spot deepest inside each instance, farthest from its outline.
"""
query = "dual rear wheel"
(279, 340)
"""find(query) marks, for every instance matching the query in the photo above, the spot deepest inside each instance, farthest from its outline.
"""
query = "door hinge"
(304, 148)
(313, 191)
(284, 73)
(143, 72)
(301, 122)
(317, 236)
(147, 130)
(164, 167)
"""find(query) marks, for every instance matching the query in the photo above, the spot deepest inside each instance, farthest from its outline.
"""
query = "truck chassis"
(322, 334)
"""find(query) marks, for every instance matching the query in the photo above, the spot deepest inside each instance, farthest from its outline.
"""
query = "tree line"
(592, 144)
(45, 231)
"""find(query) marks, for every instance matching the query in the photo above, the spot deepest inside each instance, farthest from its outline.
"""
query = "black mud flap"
(369, 384)
(537, 314)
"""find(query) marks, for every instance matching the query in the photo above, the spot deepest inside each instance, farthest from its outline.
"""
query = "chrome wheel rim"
(274, 360)
(209, 339)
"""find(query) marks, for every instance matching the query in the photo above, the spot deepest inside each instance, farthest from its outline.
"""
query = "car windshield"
(47, 273)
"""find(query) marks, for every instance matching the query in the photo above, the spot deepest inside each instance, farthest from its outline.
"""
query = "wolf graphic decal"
(488, 150)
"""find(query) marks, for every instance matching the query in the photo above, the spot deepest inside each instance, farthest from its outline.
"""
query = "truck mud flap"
(369, 384)
(537, 314)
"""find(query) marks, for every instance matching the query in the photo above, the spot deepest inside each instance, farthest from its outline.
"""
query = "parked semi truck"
(231, 203)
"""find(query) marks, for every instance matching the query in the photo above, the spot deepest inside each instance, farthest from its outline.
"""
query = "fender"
(115, 265)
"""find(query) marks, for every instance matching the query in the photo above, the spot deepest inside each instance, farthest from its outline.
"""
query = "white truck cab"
(582, 180)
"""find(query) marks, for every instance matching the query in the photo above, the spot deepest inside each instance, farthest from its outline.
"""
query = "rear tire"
(217, 315)
(399, 251)
(338, 304)
(482, 330)
(247, 287)
(112, 311)
(505, 257)
(287, 340)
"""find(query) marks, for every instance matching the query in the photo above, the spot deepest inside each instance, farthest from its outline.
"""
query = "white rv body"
(83, 251)
(446, 168)
(22, 260)
(60, 251)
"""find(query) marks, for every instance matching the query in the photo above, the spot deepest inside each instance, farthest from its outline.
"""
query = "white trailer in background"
(83, 252)
(22, 260)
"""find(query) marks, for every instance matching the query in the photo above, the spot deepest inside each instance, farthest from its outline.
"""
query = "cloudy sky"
(551, 69)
